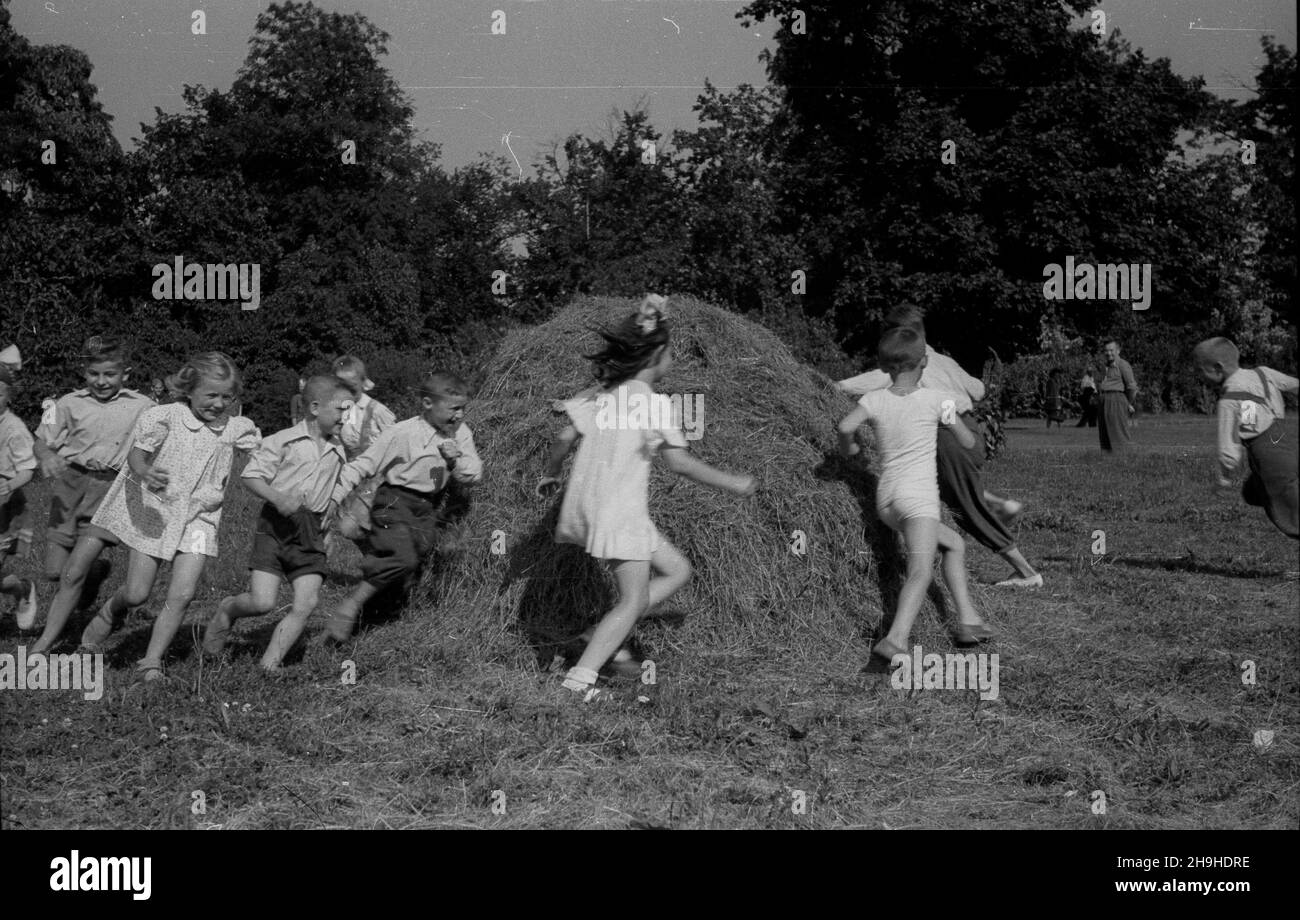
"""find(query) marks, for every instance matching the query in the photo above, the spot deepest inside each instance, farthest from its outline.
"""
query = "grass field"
(1123, 676)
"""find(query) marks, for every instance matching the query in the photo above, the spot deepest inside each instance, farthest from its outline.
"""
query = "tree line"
(913, 151)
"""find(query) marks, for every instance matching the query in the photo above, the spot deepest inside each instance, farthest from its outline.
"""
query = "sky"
(562, 65)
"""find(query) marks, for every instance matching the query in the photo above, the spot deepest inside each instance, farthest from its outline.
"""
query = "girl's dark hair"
(631, 345)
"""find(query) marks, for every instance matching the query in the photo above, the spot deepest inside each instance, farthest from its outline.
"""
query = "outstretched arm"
(564, 443)
(681, 462)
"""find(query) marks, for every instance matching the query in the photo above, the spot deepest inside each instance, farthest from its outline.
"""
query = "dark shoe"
(887, 650)
(967, 634)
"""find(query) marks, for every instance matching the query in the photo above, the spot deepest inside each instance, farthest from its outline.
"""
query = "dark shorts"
(288, 546)
(74, 498)
(13, 523)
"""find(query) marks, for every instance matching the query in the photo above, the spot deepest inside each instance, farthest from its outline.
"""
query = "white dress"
(197, 460)
(606, 507)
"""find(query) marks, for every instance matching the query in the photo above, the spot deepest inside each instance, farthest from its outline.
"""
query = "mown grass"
(1122, 675)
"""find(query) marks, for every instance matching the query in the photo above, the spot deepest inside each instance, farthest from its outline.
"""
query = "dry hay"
(764, 413)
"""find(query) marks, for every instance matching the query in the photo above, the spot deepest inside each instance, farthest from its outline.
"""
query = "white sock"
(579, 678)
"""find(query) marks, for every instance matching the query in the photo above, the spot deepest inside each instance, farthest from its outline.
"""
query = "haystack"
(797, 565)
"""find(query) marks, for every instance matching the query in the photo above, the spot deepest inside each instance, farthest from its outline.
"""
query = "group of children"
(125, 470)
(153, 477)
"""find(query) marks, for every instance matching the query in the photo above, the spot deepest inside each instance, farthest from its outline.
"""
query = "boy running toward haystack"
(415, 460)
(906, 418)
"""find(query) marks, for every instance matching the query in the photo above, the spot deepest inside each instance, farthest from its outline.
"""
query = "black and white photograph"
(649, 414)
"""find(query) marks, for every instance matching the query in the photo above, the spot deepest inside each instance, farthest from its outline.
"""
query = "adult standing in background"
(1118, 390)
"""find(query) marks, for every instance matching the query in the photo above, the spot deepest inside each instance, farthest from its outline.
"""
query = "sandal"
(973, 633)
(148, 673)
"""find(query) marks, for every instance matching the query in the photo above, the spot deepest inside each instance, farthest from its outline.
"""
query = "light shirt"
(407, 455)
(292, 462)
(907, 432)
(354, 438)
(93, 434)
(15, 446)
(1236, 425)
(1119, 379)
(940, 373)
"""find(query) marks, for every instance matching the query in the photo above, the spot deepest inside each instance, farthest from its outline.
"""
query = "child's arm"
(1284, 382)
(141, 463)
(50, 434)
(848, 427)
(462, 457)
(1229, 441)
(564, 442)
(965, 437)
(283, 502)
(9, 486)
(375, 459)
(681, 462)
(864, 383)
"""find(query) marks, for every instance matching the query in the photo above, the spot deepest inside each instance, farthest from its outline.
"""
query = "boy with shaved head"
(1251, 410)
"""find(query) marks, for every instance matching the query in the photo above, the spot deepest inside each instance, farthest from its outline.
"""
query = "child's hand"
(450, 450)
(1224, 482)
(745, 486)
(288, 504)
(4, 492)
(156, 480)
(852, 450)
(53, 466)
(557, 406)
(548, 486)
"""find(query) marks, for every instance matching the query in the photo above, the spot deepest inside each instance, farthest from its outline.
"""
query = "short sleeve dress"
(197, 459)
(606, 506)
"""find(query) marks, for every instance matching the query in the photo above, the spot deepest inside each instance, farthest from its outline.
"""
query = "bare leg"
(71, 583)
(953, 562)
(140, 574)
(633, 577)
(56, 557)
(341, 622)
(306, 594)
(263, 587)
(921, 537)
(186, 569)
(1018, 562)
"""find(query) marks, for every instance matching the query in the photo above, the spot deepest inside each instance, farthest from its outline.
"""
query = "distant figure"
(296, 410)
(1054, 407)
(11, 358)
(1251, 410)
(1118, 390)
(1087, 400)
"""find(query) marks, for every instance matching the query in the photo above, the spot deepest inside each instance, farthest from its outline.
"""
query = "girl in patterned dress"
(605, 508)
(165, 504)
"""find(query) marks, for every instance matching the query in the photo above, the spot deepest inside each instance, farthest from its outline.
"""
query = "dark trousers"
(1272, 484)
(1113, 430)
(1088, 406)
(961, 488)
(404, 523)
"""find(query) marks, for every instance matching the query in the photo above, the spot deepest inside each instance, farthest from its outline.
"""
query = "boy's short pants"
(13, 523)
(74, 498)
(894, 511)
(289, 546)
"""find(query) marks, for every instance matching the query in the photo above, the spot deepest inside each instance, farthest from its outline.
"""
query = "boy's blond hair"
(1217, 350)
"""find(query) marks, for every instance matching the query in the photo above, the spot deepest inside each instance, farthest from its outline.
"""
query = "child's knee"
(180, 598)
(133, 596)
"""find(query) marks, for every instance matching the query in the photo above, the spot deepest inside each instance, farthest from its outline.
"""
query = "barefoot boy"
(415, 459)
(81, 445)
(294, 472)
(1251, 410)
